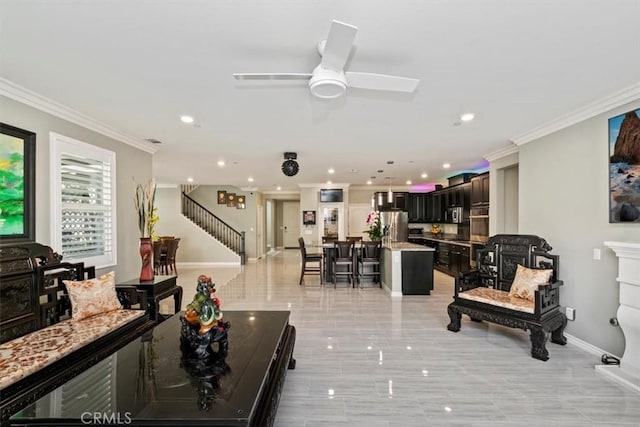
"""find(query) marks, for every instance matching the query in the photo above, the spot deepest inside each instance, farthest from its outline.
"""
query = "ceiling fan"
(328, 79)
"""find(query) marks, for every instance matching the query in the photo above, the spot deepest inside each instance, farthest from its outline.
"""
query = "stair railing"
(216, 227)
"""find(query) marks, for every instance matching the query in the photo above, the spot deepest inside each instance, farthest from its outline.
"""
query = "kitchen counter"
(407, 268)
(406, 246)
(443, 239)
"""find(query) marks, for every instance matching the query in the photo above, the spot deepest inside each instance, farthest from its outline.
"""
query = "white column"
(628, 313)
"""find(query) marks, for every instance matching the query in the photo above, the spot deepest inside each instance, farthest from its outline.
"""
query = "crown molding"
(624, 96)
(502, 152)
(335, 185)
(35, 100)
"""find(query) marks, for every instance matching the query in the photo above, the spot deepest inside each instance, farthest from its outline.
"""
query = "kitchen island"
(407, 268)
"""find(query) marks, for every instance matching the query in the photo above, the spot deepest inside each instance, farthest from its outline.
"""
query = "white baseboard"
(207, 264)
(589, 348)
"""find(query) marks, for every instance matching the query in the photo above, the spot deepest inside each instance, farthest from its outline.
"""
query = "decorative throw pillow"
(92, 296)
(527, 281)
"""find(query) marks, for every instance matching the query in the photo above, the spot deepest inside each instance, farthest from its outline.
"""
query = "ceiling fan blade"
(272, 76)
(338, 45)
(381, 82)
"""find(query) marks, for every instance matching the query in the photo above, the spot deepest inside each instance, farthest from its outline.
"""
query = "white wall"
(131, 163)
(564, 197)
(196, 246)
(499, 205)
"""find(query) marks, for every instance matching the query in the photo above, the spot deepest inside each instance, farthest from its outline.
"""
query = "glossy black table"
(147, 383)
(154, 291)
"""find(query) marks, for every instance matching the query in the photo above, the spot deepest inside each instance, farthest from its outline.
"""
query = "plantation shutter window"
(84, 228)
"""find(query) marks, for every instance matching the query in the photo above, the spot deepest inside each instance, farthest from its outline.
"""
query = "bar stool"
(310, 258)
(369, 262)
(342, 262)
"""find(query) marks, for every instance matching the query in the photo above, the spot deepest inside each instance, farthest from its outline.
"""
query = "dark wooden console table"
(149, 383)
(153, 292)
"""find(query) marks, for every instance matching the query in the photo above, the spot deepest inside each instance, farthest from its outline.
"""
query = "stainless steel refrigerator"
(395, 225)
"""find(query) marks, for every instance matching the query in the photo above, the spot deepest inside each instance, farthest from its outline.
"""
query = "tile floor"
(365, 359)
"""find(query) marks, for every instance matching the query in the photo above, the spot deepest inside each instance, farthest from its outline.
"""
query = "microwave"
(455, 215)
(479, 224)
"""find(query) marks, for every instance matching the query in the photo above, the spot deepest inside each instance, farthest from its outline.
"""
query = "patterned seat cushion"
(27, 354)
(498, 298)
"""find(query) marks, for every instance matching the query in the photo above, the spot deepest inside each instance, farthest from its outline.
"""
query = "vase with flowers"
(144, 201)
(375, 226)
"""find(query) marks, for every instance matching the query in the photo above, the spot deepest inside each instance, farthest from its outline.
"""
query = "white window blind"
(84, 204)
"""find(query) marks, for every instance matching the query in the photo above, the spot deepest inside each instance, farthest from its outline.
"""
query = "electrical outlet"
(570, 312)
(596, 254)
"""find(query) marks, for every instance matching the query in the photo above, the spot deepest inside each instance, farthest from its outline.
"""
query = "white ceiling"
(138, 65)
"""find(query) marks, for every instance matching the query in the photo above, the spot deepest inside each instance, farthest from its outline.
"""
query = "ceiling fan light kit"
(329, 79)
(327, 84)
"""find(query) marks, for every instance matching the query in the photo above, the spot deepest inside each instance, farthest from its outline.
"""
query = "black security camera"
(290, 166)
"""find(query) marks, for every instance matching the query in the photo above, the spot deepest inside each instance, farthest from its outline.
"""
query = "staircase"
(213, 225)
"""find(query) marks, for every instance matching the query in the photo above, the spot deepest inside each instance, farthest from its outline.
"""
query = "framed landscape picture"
(241, 202)
(17, 184)
(624, 167)
(222, 197)
(231, 200)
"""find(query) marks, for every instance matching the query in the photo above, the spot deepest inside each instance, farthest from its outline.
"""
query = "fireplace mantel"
(628, 314)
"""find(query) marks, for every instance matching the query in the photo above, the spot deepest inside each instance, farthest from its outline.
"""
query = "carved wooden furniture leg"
(538, 344)
(455, 317)
(557, 334)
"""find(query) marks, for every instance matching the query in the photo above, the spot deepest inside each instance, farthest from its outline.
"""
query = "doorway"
(290, 224)
(332, 221)
(260, 220)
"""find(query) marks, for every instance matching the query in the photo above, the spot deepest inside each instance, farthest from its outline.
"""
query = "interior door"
(358, 218)
(260, 220)
(291, 224)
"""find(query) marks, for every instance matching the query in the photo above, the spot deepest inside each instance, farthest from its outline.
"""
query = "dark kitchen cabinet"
(437, 207)
(444, 253)
(417, 207)
(399, 200)
(480, 190)
(466, 202)
(458, 259)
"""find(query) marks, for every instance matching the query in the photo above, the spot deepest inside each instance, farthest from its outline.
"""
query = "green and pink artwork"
(17, 149)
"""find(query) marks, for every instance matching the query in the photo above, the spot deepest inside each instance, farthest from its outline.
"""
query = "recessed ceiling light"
(467, 117)
(250, 179)
(331, 170)
(279, 188)
(424, 175)
(408, 182)
(369, 182)
(329, 182)
(446, 165)
(220, 163)
(186, 119)
(189, 179)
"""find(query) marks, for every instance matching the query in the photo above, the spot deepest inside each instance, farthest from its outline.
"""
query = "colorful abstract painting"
(16, 183)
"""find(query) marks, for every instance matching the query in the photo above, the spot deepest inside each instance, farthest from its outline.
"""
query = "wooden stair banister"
(214, 226)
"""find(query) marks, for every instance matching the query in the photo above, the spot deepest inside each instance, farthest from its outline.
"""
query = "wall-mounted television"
(331, 195)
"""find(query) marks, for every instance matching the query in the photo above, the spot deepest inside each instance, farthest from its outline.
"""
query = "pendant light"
(379, 199)
(373, 201)
(389, 193)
